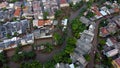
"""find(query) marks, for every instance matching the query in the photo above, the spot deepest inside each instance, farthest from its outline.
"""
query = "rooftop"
(17, 12)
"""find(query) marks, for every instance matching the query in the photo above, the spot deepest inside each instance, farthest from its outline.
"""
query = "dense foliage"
(32, 64)
(77, 27)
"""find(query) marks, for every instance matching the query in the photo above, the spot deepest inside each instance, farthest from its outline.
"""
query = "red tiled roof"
(104, 30)
(63, 1)
(113, 40)
(43, 22)
(96, 11)
(17, 12)
(116, 9)
(117, 61)
(3, 4)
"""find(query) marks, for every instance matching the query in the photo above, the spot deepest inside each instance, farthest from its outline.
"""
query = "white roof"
(72, 66)
(103, 13)
(11, 5)
(1, 51)
(112, 53)
(109, 42)
(64, 22)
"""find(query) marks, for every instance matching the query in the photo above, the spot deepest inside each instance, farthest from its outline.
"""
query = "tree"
(77, 27)
(90, 14)
(30, 54)
(49, 64)
(102, 42)
(16, 58)
(45, 14)
(58, 38)
(18, 49)
(71, 41)
(69, 49)
(58, 13)
(108, 6)
(13, 1)
(48, 48)
(103, 23)
(3, 57)
(118, 1)
(4, 9)
(35, 27)
(87, 57)
(5, 66)
(97, 57)
(8, 36)
(14, 19)
(33, 64)
(57, 58)
(15, 33)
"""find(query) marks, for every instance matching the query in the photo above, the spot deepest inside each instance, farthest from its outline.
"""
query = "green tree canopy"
(77, 27)
(33, 64)
(3, 57)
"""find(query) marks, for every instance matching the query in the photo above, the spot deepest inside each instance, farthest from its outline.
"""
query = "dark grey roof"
(2, 45)
(3, 31)
(18, 4)
(25, 25)
(10, 27)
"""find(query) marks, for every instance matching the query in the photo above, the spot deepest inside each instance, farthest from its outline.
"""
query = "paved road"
(75, 14)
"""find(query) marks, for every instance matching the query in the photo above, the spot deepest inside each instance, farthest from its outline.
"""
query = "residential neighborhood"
(59, 34)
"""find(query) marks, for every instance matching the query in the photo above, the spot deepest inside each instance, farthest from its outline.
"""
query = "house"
(78, 59)
(27, 11)
(103, 32)
(37, 33)
(50, 6)
(7, 14)
(9, 43)
(72, 65)
(116, 10)
(117, 20)
(75, 1)
(63, 3)
(116, 63)
(28, 39)
(42, 33)
(64, 23)
(14, 27)
(11, 5)
(112, 27)
(3, 5)
(42, 23)
(103, 13)
(111, 41)
(17, 5)
(96, 11)
(3, 31)
(87, 36)
(105, 9)
(55, 22)
(85, 21)
(29, 0)
(92, 27)
(62, 65)
(111, 11)
(17, 12)
(37, 10)
(112, 53)
(83, 47)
